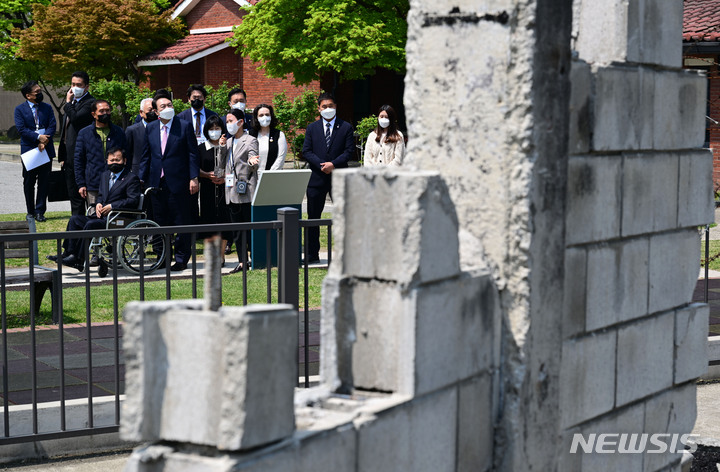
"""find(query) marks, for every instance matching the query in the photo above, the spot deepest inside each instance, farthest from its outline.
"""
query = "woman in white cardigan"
(385, 145)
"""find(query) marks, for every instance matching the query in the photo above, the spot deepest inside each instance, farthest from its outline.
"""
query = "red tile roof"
(187, 46)
(701, 20)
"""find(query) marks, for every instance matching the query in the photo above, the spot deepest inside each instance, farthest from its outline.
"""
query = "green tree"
(293, 118)
(103, 37)
(310, 37)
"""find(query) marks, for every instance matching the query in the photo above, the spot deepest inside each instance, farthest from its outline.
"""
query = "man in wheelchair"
(119, 188)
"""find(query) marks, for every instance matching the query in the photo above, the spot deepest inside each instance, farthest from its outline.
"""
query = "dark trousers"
(173, 209)
(77, 247)
(77, 203)
(41, 176)
(315, 204)
(241, 213)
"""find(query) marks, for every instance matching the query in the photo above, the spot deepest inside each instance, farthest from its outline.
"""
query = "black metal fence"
(86, 357)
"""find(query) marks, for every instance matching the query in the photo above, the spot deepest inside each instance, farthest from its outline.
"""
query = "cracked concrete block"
(671, 412)
(679, 111)
(691, 342)
(418, 244)
(643, 367)
(580, 107)
(617, 283)
(650, 183)
(593, 199)
(696, 205)
(587, 377)
(623, 108)
(411, 341)
(418, 436)
(202, 376)
(674, 267)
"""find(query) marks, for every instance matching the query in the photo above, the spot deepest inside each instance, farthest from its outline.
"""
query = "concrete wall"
(526, 277)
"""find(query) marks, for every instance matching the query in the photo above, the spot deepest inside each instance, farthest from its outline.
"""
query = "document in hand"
(34, 158)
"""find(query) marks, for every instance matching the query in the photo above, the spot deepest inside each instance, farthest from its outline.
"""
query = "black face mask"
(150, 116)
(104, 119)
(197, 104)
(116, 167)
(38, 97)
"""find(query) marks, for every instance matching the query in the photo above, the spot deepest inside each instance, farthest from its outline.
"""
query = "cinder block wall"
(638, 187)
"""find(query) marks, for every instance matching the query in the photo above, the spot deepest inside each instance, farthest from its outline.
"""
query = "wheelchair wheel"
(130, 248)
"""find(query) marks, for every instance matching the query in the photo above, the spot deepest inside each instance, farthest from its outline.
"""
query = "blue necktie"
(113, 178)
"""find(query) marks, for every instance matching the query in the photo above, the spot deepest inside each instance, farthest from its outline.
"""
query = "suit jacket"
(315, 151)
(189, 116)
(180, 162)
(125, 192)
(77, 116)
(239, 151)
(25, 124)
(135, 141)
(90, 160)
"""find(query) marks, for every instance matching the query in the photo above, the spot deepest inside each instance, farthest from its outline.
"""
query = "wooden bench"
(44, 278)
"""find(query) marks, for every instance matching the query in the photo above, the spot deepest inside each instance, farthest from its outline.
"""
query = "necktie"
(197, 125)
(35, 114)
(327, 135)
(163, 142)
(113, 178)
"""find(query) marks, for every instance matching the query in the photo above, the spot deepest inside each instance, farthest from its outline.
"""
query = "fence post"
(289, 260)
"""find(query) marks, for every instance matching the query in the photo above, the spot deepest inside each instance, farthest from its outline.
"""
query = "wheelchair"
(129, 249)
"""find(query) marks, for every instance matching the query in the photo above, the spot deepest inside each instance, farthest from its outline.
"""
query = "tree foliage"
(102, 37)
(294, 117)
(310, 37)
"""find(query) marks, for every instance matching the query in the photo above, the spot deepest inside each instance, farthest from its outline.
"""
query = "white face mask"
(167, 113)
(214, 134)
(78, 92)
(238, 106)
(233, 128)
(328, 113)
(383, 122)
(264, 120)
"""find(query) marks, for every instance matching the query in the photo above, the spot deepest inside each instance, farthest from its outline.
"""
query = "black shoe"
(237, 268)
(52, 257)
(40, 217)
(74, 262)
(311, 260)
(94, 262)
(228, 249)
(178, 266)
(29, 216)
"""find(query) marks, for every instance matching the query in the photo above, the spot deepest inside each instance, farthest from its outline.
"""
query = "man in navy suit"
(35, 121)
(197, 114)
(119, 189)
(329, 144)
(170, 163)
(77, 116)
(135, 135)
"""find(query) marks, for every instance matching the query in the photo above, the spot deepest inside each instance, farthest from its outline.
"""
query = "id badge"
(229, 180)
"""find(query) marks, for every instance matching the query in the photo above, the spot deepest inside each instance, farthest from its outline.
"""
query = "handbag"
(57, 187)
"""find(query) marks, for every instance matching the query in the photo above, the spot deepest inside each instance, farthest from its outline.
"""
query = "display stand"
(275, 189)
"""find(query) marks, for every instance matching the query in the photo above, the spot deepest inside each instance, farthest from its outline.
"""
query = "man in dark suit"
(92, 143)
(329, 144)
(35, 121)
(197, 114)
(119, 189)
(170, 163)
(77, 116)
(135, 135)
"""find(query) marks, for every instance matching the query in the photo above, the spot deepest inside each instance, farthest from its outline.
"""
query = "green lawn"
(101, 297)
(714, 254)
